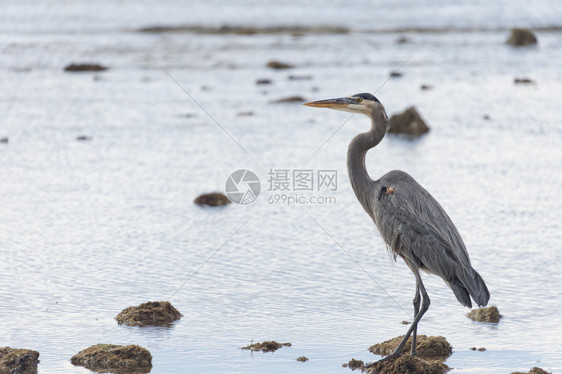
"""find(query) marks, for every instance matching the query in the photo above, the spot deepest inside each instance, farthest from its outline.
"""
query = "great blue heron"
(411, 222)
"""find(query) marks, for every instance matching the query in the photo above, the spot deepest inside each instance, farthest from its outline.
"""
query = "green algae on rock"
(266, 346)
(488, 314)
(426, 346)
(18, 361)
(151, 313)
(354, 364)
(534, 370)
(114, 357)
(407, 364)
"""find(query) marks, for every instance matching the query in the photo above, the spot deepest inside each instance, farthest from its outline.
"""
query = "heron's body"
(411, 222)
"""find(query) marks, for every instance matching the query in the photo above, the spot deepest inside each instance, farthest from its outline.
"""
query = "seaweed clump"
(114, 357)
(354, 364)
(18, 361)
(407, 364)
(488, 314)
(426, 346)
(267, 346)
(150, 313)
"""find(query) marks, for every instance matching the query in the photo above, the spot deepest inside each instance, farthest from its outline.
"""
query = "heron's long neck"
(358, 175)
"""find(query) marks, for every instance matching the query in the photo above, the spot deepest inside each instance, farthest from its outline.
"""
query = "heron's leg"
(416, 310)
(424, 307)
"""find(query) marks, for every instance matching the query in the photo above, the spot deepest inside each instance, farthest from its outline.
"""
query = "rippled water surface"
(89, 228)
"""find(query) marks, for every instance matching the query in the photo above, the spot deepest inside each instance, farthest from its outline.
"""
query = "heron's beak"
(338, 103)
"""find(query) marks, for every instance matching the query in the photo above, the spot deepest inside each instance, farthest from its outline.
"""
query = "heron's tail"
(470, 284)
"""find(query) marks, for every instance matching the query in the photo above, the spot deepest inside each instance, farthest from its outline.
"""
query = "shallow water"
(89, 228)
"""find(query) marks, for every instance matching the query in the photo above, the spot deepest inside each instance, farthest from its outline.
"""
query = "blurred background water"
(89, 228)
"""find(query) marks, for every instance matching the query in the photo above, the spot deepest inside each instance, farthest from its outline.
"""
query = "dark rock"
(18, 361)
(523, 81)
(354, 364)
(407, 364)
(267, 346)
(290, 99)
(264, 81)
(150, 313)
(4, 140)
(488, 314)
(402, 40)
(521, 37)
(246, 113)
(83, 138)
(279, 65)
(299, 77)
(487, 117)
(426, 346)
(85, 67)
(405, 322)
(408, 122)
(104, 357)
(395, 74)
(302, 359)
(534, 370)
(426, 87)
(212, 199)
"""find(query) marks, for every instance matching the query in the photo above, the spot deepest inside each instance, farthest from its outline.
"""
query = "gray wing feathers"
(416, 227)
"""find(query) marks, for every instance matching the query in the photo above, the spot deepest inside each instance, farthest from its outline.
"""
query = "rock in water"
(150, 313)
(426, 346)
(279, 65)
(488, 314)
(407, 364)
(267, 346)
(408, 122)
(18, 361)
(534, 370)
(521, 37)
(103, 357)
(212, 199)
(85, 67)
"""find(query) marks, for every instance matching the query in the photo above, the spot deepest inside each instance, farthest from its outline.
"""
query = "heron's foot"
(389, 357)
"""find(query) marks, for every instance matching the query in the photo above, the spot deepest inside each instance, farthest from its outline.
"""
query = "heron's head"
(363, 103)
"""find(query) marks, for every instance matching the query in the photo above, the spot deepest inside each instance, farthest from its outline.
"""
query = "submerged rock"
(150, 313)
(279, 65)
(264, 81)
(395, 74)
(407, 364)
(425, 87)
(267, 346)
(212, 199)
(85, 67)
(245, 30)
(290, 99)
(103, 357)
(426, 346)
(408, 122)
(4, 140)
(488, 314)
(302, 359)
(521, 37)
(354, 364)
(523, 81)
(18, 361)
(534, 370)
(83, 138)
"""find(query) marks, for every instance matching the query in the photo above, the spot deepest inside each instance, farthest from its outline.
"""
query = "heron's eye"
(359, 100)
